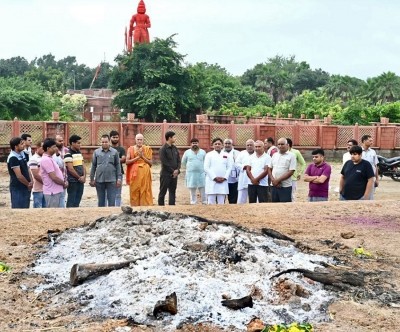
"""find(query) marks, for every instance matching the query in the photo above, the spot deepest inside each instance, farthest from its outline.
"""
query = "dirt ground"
(316, 227)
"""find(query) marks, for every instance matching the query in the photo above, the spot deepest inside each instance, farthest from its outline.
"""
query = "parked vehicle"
(389, 167)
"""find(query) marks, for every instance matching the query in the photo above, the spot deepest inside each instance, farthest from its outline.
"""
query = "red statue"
(138, 26)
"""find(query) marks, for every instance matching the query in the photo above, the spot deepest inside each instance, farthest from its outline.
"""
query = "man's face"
(250, 147)
(228, 146)
(20, 147)
(76, 145)
(105, 143)
(52, 150)
(349, 145)
(368, 142)
(172, 139)
(195, 146)
(356, 158)
(217, 146)
(267, 145)
(139, 140)
(259, 148)
(28, 142)
(39, 150)
(115, 140)
(59, 142)
(318, 159)
(282, 146)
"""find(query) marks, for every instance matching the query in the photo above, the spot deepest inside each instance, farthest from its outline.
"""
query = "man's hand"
(65, 184)
(255, 182)
(175, 173)
(92, 183)
(118, 184)
(82, 179)
(30, 186)
(276, 183)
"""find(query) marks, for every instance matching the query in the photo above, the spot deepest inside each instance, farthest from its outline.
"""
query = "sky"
(359, 38)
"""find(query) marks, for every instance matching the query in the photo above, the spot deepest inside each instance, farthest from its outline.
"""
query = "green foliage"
(384, 89)
(20, 98)
(72, 107)
(152, 81)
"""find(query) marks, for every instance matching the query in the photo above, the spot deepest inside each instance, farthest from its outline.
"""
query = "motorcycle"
(389, 167)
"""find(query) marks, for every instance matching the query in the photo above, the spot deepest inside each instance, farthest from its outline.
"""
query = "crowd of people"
(54, 176)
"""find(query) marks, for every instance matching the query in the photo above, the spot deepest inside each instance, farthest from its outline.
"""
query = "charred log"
(275, 234)
(82, 272)
(236, 304)
(329, 277)
(170, 305)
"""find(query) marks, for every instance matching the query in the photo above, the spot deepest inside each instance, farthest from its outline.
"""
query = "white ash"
(199, 265)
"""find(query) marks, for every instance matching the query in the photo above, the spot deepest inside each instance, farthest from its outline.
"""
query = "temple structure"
(138, 28)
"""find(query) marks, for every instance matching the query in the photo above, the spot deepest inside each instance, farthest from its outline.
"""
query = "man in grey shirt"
(105, 173)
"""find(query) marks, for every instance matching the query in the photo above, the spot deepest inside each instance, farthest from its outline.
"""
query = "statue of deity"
(138, 27)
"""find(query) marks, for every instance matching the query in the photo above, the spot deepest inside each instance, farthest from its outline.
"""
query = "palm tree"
(384, 89)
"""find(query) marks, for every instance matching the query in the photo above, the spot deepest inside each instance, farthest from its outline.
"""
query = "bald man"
(280, 170)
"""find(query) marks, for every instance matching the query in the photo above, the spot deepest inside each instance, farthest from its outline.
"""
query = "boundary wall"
(306, 138)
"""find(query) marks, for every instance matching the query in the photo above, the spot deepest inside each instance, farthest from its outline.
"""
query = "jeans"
(62, 199)
(75, 192)
(54, 200)
(317, 199)
(106, 190)
(38, 200)
(20, 198)
(118, 193)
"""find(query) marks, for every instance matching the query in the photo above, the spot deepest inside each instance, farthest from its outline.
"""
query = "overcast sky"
(350, 37)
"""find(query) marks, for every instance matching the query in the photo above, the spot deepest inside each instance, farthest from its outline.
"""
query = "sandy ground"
(317, 227)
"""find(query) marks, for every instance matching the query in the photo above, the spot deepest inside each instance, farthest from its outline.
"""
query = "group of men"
(55, 175)
(260, 173)
(263, 172)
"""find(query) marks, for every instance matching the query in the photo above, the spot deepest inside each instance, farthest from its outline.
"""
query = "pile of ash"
(201, 262)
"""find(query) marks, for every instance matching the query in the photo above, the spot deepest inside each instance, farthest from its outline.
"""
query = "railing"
(306, 136)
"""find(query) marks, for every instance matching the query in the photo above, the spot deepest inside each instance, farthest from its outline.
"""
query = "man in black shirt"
(114, 136)
(357, 177)
(170, 168)
(20, 180)
(27, 146)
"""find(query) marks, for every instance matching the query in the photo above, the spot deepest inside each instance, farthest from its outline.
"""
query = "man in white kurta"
(193, 160)
(217, 165)
(241, 162)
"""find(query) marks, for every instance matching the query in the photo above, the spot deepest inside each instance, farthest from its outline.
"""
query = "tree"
(15, 66)
(20, 98)
(343, 87)
(384, 89)
(152, 81)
